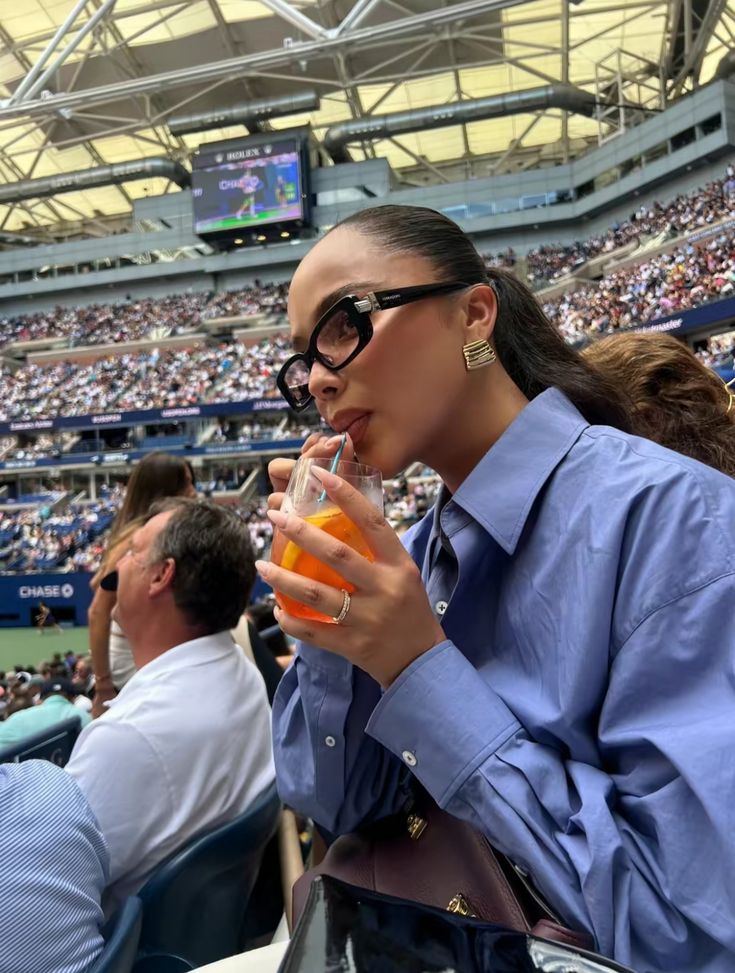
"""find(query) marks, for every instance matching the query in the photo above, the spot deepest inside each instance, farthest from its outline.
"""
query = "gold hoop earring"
(477, 354)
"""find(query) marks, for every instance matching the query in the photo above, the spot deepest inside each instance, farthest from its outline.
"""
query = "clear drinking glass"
(304, 497)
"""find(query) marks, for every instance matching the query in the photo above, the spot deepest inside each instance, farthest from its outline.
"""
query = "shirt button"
(409, 758)
(330, 741)
(440, 607)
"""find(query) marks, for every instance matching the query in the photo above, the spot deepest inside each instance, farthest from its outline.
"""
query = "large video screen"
(239, 187)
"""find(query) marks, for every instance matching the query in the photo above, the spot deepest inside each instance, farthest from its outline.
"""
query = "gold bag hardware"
(459, 905)
(416, 826)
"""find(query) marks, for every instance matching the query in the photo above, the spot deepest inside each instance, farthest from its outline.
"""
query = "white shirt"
(185, 746)
(122, 663)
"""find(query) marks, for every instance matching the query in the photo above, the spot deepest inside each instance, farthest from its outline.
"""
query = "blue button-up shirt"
(581, 711)
(54, 867)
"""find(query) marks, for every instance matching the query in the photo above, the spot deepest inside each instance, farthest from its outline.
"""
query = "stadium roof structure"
(89, 83)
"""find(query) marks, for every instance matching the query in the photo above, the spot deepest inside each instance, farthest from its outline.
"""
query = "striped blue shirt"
(54, 868)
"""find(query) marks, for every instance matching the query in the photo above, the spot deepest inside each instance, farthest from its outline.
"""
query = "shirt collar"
(500, 491)
(196, 652)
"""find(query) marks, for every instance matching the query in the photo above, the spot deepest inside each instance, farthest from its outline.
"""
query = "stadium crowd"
(130, 320)
(106, 323)
(719, 351)
(156, 379)
(261, 429)
(691, 275)
(684, 214)
(39, 539)
(262, 298)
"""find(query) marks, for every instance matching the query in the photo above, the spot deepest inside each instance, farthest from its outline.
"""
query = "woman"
(156, 477)
(676, 400)
(551, 657)
(45, 617)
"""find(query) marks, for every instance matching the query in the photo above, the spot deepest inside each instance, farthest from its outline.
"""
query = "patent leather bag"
(347, 928)
(436, 859)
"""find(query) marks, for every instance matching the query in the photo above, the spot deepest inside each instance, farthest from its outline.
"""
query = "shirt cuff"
(442, 720)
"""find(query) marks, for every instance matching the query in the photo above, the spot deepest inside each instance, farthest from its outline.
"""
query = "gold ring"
(346, 603)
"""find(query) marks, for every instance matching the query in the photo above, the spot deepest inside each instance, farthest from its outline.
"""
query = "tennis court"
(275, 215)
(24, 646)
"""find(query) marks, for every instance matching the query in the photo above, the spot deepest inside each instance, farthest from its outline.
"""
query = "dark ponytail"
(532, 351)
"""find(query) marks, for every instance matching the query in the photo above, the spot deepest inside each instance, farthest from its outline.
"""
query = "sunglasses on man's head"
(342, 332)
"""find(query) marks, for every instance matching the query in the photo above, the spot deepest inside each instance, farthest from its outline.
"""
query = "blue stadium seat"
(194, 904)
(121, 934)
(54, 743)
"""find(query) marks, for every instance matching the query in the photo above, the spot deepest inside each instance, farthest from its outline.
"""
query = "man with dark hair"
(155, 769)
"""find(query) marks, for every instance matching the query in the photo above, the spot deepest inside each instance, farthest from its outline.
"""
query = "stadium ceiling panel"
(85, 83)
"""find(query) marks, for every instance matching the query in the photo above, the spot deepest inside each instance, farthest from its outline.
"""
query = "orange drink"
(286, 554)
(305, 497)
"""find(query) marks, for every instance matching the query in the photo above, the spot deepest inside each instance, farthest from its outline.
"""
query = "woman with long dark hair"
(551, 654)
(674, 398)
(156, 477)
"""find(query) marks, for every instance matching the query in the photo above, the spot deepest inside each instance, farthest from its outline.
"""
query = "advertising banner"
(67, 595)
(114, 458)
(714, 313)
(201, 410)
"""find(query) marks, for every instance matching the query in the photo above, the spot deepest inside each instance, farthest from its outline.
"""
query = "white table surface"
(263, 960)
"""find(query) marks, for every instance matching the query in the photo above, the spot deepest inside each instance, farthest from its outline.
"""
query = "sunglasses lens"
(296, 380)
(338, 337)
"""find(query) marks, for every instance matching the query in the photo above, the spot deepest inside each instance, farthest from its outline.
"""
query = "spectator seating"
(33, 540)
(40, 540)
(121, 934)
(689, 276)
(142, 318)
(684, 214)
(151, 379)
(55, 744)
(719, 352)
(194, 905)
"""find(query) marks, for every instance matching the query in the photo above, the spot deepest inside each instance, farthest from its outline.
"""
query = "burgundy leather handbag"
(436, 859)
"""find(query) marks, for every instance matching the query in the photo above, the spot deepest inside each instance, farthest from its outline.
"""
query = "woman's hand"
(390, 622)
(317, 446)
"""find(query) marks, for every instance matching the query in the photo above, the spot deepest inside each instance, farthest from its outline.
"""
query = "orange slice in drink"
(293, 558)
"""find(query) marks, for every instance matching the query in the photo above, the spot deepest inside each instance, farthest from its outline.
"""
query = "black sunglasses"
(342, 332)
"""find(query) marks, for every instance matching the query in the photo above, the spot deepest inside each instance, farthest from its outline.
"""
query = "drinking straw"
(333, 467)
